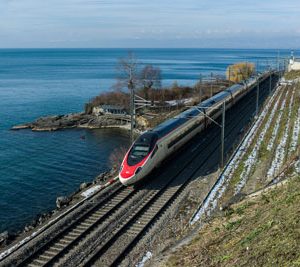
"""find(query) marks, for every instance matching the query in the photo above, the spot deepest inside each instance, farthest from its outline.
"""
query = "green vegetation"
(262, 232)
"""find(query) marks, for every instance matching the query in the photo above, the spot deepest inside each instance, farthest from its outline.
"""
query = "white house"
(108, 109)
(294, 64)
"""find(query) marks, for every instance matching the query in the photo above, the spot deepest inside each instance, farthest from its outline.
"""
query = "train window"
(141, 148)
(140, 151)
(154, 151)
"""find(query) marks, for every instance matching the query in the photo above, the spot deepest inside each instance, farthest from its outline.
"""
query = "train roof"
(173, 123)
(234, 88)
(215, 99)
(168, 126)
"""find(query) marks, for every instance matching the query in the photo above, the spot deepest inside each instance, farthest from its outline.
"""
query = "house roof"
(112, 107)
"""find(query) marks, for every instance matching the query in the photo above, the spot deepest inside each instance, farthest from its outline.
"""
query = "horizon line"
(218, 48)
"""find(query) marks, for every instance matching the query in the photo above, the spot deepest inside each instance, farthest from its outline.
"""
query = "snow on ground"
(218, 190)
(276, 127)
(295, 134)
(280, 149)
(91, 191)
(297, 166)
(252, 158)
(147, 257)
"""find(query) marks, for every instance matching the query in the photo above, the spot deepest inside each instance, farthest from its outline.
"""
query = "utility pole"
(222, 126)
(278, 60)
(257, 95)
(211, 86)
(200, 88)
(223, 134)
(132, 112)
(270, 88)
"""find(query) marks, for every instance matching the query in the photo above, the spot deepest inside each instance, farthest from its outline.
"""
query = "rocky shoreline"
(68, 121)
(62, 202)
(74, 120)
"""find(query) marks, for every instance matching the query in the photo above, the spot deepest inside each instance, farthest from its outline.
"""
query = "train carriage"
(155, 145)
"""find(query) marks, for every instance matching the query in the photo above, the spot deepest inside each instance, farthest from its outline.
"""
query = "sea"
(37, 167)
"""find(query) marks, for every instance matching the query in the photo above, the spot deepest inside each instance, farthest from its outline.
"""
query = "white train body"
(154, 146)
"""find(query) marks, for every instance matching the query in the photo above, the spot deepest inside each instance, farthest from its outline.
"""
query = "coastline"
(74, 120)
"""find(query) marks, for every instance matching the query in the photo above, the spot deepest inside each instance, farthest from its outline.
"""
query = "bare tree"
(150, 77)
(128, 71)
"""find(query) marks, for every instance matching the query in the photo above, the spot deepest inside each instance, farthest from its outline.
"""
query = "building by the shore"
(109, 109)
(294, 63)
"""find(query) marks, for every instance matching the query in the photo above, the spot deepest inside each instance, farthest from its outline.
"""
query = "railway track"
(112, 253)
(125, 215)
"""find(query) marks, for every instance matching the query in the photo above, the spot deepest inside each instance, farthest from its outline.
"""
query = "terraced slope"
(263, 229)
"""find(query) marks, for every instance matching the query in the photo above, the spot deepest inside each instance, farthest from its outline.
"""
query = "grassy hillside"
(292, 75)
(259, 231)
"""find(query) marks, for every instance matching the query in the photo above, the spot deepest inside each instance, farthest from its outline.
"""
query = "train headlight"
(138, 170)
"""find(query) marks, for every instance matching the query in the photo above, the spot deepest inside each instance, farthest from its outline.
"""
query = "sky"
(150, 23)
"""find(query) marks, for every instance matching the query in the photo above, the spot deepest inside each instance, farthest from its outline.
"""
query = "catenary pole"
(211, 85)
(270, 88)
(131, 89)
(200, 89)
(257, 96)
(223, 134)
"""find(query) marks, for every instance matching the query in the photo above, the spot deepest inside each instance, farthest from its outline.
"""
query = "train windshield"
(141, 148)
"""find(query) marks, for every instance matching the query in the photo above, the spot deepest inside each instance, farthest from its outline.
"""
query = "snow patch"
(297, 166)
(295, 134)
(276, 127)
(147, 257)
(91, 191)
(252, 158)
(280, 149)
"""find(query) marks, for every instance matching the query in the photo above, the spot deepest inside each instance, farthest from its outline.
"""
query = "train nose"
(129, 171)
(125, 174)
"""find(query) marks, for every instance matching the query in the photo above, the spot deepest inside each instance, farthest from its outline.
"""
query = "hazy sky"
(150, 23)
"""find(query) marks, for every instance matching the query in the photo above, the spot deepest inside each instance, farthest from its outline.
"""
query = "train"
(152, 147)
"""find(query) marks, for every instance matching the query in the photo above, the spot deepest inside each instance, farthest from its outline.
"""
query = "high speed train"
(155, 145)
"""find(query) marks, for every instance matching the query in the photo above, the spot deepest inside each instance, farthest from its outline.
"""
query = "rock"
(4, 237)
(101, 176)
(83, 186)
(82, 120)
(20, 127)
(62, 201)
(28, 228)
(34, 222)
(41, 219)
